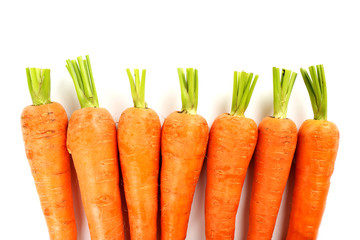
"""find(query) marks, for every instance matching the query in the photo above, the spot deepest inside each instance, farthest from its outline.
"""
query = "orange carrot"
(93, 146)
(139, 133)
(273, 158)
(314, 161)
(183, 147)
(44, 131)
(231, 145)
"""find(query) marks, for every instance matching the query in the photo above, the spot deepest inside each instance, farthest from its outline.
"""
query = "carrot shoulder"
(44, 132)
(318, 142)
(93, 146)
(139, 133)
(273, 157)
(183, 147)
(231, 145)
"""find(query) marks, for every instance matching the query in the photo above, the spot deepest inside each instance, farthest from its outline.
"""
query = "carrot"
(318, 143)
(183, 147)
(273, 157)
(139, 133)
(231, 145)
(44, 132)
(93, 146)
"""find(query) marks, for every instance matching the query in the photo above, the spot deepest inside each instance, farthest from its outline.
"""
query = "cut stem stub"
(137, 88)
(39, 85)
(283, 86)
(316, 86)
(189, 90)
(81, 73)
(243, 87)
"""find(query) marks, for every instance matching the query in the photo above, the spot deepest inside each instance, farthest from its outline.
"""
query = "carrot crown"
(243, 88)
(316, 86)
(137, 88)
(82, 76)
(282, 90)
(39, 85)
(189, 90)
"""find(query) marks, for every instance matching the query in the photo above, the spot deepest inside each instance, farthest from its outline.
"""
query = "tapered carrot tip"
(92, 143)
(138, 135)
(183, 146)
(273, 158)
(91, 140)
(315, 159)
(44, 133)
(231, 145)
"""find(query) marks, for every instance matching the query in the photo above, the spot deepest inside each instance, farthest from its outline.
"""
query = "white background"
(217, 38)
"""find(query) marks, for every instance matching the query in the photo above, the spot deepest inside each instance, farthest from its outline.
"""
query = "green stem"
(283, 86)
(189, 90)
(316, 86)
(137, 88)
(39, 85)
(243, 87)
(81, 73)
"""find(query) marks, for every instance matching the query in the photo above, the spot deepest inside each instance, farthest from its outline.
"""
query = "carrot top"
(316, 86)
(39, 85)
(282, 90)
(137, 88)
(82, 76)
(243, 88)
(189, 90)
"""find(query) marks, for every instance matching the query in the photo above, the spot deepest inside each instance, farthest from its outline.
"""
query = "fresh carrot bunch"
(139, 133)
(231, 145)
(273, 157)
(44, 127)
(91, 140)
(183, 146)
(316, 151)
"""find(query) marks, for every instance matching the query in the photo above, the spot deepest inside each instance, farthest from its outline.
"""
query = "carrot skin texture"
(93, 146)
(139, 133)
(44, 132)
(231, 145)
(183, 147)
(316, 152)
(273, 157)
